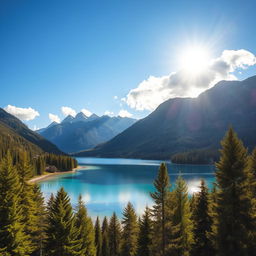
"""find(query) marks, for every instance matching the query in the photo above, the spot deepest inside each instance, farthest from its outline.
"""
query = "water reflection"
(108, 187)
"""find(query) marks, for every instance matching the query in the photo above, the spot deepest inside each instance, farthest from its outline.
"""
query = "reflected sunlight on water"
(107, 185)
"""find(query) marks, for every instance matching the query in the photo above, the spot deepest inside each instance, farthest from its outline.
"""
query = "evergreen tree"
(105, 238)
(182, 227)
(233, 203)
(28, 205)
(13, 240)
(159, 212)
(202, 224)
(145, 234)
(85, 231)
(61, 232)
(251, 179)
(251, 172)
(130, 231)
(98, 237)
(114, 234)
(38, 235)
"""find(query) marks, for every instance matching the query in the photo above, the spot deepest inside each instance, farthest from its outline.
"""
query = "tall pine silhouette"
(233, 203)
(202, 223)
(114, 233)
(145, 234)
(159, 212)
(130, 231)
(85, 231)
(61, 231)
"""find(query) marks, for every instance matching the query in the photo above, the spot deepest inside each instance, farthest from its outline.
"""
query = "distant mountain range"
(183, 125)
(16, 134)
(78, 133)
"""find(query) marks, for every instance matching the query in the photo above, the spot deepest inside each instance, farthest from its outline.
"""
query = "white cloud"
(108, 113)
(115, 97)
(24, 114)
(68, 111)
(86, 112)
(124, 113)
(54, 118)
(154, 90)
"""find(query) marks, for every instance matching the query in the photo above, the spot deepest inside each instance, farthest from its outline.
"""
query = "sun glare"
(195, 59)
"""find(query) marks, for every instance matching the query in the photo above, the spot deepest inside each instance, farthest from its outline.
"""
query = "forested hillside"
(13, 127)
(218, 222)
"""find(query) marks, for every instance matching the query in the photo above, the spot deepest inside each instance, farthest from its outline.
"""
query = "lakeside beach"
(47, 176)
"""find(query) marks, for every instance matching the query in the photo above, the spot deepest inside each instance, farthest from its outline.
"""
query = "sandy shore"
(50, 175)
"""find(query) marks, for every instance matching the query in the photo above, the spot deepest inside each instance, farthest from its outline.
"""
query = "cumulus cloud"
(68, 111)
(24, 114)
(124, 113)
(154, 90)
(115, 97)
(108, 113)
(86, 112)
(54, 118)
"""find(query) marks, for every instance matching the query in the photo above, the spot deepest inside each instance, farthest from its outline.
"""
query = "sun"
(195, 59)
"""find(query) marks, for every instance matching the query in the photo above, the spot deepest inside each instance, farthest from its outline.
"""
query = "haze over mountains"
(188, 124)
(78, 133)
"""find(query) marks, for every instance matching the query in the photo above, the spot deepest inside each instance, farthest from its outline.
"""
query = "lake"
(107, 185)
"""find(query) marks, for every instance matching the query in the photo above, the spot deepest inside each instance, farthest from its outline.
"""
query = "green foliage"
(130, 231)
(220, 222)
(85, 231)
(98, 237)
(197, 156)
(145, 239)
(182, 226)
(114, 233)
(105, 238)
(233, 203)
(159, 211)
(61, 230)
(13, 239)
(202, 223)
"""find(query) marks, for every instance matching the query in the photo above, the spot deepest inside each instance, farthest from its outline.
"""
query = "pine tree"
(61, 232)
(233, 202)
(145, 234)
(202, 224)
(13, 240)
(85, 231)
(182, 227)
(98, 237)
(38, 236)
(105, 238)
(159, 212)
(28, 205)
(130, 231)
(251, 180)
(251, 172)
(114, 233)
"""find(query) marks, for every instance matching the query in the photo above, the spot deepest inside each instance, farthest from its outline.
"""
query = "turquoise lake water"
(107, 185)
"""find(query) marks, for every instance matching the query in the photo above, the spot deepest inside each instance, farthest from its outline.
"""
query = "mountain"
(187, 125)
(68, 119)
(13, 131)
(80, 117)
(79, 133)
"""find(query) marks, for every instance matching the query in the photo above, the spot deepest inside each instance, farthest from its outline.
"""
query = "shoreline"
(49, 175)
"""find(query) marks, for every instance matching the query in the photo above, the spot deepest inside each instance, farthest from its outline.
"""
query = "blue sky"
(80, 54)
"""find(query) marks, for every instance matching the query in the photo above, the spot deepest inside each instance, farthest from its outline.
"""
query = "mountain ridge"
(74, 135)
(184, 124)
(12, 125)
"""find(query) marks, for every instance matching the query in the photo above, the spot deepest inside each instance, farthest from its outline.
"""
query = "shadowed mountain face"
(79, 133)
(12, 129)
(185, 124)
